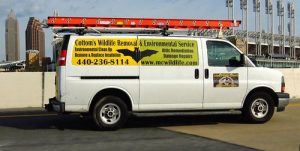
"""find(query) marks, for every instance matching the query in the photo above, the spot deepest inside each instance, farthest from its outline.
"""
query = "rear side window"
(220, 53)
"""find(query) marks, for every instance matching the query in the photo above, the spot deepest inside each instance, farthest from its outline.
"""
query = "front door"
(225, 80)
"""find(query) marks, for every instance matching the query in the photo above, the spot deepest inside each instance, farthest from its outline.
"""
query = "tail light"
(282, 84)
(62, 58)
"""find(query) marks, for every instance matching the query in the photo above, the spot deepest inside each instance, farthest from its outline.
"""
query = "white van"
(110, 76)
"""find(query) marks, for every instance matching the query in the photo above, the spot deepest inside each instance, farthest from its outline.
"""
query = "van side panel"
(87, 73)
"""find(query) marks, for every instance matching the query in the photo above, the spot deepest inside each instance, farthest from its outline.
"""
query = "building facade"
(12, 42)
(35, 37)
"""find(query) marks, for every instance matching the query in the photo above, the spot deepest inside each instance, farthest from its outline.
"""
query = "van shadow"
(75, 122)
(183, 120)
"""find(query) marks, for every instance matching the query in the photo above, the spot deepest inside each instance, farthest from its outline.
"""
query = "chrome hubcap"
(110, 113)
(259, 108)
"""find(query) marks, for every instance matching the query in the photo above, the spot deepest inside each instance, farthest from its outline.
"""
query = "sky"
(194, 9)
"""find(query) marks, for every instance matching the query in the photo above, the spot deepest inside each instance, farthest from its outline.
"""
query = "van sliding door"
(171, 75)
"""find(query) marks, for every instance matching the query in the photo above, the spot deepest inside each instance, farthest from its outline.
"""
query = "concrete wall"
(24, 89)
(49, 91)
(292, 82)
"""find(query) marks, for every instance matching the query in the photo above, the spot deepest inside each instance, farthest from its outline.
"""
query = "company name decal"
(130, 51)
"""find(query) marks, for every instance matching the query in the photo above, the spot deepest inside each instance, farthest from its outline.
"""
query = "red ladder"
(58, 21)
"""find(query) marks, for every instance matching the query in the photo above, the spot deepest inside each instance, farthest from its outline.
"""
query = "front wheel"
(110, 113)
(259, 108)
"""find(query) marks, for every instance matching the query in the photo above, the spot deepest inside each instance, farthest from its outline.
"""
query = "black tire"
(259, 108)
(114, 113)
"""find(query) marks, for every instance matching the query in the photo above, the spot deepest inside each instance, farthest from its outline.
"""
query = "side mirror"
(234, 62)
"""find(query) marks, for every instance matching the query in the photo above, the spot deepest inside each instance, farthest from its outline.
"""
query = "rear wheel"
(110, 113)
(259, 108)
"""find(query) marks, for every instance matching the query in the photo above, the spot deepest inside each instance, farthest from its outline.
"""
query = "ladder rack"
(98, 24)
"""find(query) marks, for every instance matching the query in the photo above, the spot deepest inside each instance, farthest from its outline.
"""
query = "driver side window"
(222, 54)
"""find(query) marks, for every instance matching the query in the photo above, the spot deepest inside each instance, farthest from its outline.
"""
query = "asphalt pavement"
(35, 129)
(38, 130)
(282, 132)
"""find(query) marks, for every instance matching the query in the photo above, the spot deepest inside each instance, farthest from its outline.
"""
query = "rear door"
(225, 80)
(170, 74)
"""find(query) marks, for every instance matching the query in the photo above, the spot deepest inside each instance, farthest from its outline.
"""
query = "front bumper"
(283, 101)
(55, 106)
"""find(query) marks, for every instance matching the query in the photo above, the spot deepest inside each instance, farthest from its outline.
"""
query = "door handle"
(196, 73)
(206, 74)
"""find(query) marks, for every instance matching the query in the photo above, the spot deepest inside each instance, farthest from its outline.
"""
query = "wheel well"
(113, 92)
(265, 90)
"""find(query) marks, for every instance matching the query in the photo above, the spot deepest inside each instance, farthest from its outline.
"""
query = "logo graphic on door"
(136, 54)
(226, 80)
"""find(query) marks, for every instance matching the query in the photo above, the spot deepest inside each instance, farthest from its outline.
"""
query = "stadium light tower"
(230, 6)
(281, 31)
(256, 9)
(244, 8)
(291, 28)
(269, 12)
